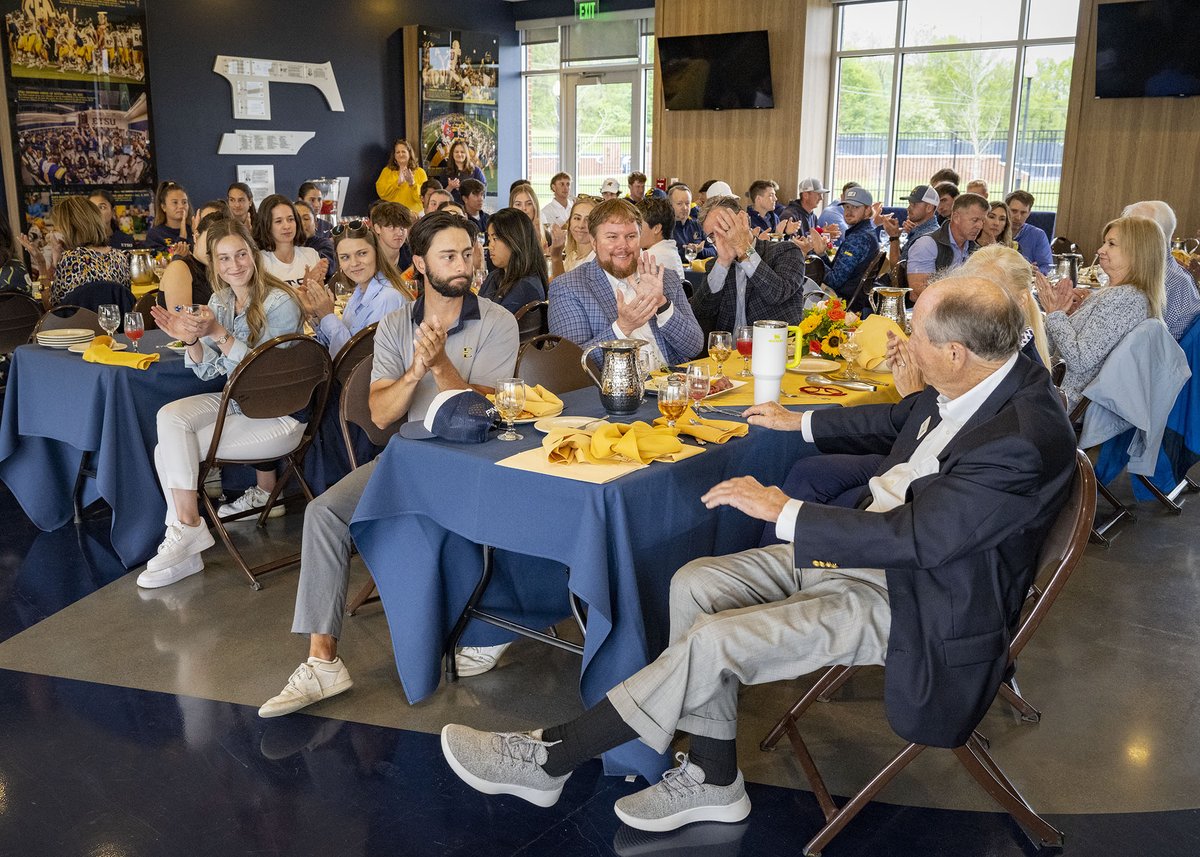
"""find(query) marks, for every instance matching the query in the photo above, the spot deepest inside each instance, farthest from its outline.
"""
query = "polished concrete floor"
(129, 725)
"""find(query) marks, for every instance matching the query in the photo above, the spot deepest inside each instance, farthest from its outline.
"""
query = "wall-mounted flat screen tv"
(1147, 49)
(721, 71)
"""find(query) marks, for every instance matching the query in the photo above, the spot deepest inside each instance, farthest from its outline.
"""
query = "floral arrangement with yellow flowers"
(823, 327)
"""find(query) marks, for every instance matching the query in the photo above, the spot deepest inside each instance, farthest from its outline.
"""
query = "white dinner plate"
(815, 364)
(71, 334)
(83, 346)
(548, 424)
(178, 349)
(524, 421)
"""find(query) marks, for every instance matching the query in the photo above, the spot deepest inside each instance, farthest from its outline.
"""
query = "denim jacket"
(283, 316)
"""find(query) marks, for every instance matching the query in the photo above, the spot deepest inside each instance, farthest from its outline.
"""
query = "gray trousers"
(750, 618)
(325, 555)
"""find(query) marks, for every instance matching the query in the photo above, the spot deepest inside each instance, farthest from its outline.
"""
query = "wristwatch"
(750, 252)
(222, 340)
(895, 238)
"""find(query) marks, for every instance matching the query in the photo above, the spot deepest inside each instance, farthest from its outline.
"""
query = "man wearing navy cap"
(922, 208)
(859, 246)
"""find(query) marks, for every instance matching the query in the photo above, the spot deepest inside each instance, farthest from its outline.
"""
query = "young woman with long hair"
(520, 275)
(240, 200)
(997, 228)
(171, 219)
(277, 233)
(248, 307)
(460, 165)
(523, 198)
(401, 178)
(578, 247)
(85, 254)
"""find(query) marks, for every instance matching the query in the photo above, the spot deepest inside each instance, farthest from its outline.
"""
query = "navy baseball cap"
(463, 416)
(924, 193)
(857, 196)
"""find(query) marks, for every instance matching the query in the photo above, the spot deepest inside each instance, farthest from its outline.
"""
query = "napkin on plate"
(638, 442)
(539, 402)
(710, 431)
(100, 351)
(873, 337)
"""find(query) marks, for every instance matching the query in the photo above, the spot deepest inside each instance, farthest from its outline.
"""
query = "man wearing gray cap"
(803, 208)
(922, 206)
(858, 247)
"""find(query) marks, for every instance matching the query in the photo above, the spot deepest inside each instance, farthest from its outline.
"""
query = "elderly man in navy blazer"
(623, 293)
(928, 573)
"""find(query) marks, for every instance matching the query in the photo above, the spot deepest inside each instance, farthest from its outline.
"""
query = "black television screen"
(1147, 49)
(721, 71)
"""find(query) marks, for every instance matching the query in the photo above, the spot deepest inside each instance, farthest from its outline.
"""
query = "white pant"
(185, 430)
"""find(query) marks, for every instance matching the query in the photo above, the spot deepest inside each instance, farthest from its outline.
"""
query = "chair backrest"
(554, 363)
(870, 275)
(92, 295)
(532, 320)
(355, 409)
(1061, 550)
(280, 376)
(358, 347)
(65, 315)
(814, 269)
(143, 305)
(19, 315)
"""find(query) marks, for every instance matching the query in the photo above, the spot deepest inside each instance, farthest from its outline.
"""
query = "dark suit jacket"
(961, 553)
(775, 292)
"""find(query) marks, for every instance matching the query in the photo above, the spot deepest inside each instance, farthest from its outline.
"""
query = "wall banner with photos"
(458, 86)
(79, 106)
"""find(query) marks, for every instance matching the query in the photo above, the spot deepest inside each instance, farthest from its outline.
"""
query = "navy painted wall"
(192, 105)
(531, 10)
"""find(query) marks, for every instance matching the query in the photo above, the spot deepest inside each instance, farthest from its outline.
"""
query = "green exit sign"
(587, 10)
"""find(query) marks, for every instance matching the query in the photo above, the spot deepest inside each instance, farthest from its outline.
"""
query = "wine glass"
(697, 380)
(745, 347)
(134, 328)
(110, 318)
(510, 401)
(689, 253)
(673, 398)
(720, 346)
(851, 349)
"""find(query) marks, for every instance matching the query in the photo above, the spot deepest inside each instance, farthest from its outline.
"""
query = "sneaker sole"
(537, 797)
(730, 814)
(340, 687)
(193, 564)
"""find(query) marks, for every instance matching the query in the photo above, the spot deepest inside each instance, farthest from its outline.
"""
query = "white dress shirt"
(644, 332)
(889, 490)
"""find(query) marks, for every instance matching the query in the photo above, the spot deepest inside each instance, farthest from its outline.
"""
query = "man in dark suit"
(930, 570)
(750, 280)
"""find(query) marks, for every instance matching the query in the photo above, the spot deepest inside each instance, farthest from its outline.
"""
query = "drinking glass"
(851, 349)
(698, 380)
(110, 317)
(745, 347)
(134, 328)
(510, 401)
(689, 253)
(673, 398)
(720, 346)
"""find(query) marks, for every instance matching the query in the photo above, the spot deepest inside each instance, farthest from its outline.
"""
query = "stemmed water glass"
(851, 349)
(510, 401)
(673, 398)
(134, 328)
(720, 346)
(110, 318)
(697, 380)
(745, 347)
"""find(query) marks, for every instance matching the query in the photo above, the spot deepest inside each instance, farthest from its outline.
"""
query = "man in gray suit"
(931, 573)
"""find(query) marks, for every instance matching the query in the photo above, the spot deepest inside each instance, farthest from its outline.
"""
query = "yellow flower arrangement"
(822, 326)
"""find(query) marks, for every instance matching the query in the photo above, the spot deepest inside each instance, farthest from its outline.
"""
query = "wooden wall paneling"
(412, 87)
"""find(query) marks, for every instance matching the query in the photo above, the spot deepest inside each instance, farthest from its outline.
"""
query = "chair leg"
(828, 678)
(1011, 694)
(809, 767)
(846, 674)
(252, 573)
(367, 593)
(485, 577)
(1121, 512)
(1175, 507)
(983, 768)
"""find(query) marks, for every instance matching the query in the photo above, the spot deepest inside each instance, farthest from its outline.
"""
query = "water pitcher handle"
(872, 301)
(583, 361)
(801, 347)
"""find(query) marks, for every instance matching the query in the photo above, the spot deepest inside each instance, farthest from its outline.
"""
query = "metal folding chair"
(532, 320)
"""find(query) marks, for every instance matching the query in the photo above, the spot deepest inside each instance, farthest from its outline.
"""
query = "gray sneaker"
(502, 763)
(682, 797)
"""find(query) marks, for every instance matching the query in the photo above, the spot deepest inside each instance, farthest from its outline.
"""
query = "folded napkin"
(873, 337)
(539, 402)
(638, 442)
(100, 351)
(710, 431)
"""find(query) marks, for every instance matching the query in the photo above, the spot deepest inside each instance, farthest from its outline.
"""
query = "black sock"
(717, 758)
(598, 729)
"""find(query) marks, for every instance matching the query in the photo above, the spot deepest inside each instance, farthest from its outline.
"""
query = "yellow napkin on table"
(710, 431)
(539, 402)
(100, 351)
(638, 442)
(873, 337)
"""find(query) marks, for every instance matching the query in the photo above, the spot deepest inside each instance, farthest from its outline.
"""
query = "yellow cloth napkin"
(100, 351)
(638, 442)
(698, 265)
(873, 337)
(710, 431)
(539, 402)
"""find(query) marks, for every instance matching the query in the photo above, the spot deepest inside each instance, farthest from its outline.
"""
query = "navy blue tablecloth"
(57, 407)
(429, 504)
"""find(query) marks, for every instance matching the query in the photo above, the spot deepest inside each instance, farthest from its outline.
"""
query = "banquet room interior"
(131, 711)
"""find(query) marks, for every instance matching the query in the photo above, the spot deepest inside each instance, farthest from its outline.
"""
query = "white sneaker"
(172, 574)
(253, 498)
(476, 660)
(312, 681)
(180, 542)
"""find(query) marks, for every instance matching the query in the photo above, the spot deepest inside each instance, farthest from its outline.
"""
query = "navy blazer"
(961, 553)
(583, 308)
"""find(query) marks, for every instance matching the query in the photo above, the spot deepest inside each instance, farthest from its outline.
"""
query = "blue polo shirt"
(922, 254)
(1033, 244)
(768, 221)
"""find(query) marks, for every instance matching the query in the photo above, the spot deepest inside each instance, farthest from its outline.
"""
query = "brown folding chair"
(358, 347)
(19, 315)
(1061, 551)
(532, 320)
(66, 316)
(870, 275)
(554, 363)
(280, 377)
(815, 269)
(143, 305)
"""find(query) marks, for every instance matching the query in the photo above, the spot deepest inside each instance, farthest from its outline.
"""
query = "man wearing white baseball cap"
(803, 208)
(720, 189)
(611, 188)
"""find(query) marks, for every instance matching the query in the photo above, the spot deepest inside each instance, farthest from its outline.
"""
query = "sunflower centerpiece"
(823, 327)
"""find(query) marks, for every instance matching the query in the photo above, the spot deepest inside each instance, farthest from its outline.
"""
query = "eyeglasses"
(350, 226)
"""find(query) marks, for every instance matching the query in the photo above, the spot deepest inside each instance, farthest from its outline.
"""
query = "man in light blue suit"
(623, 293)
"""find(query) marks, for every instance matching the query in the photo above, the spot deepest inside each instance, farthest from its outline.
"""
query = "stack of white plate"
(65, 337)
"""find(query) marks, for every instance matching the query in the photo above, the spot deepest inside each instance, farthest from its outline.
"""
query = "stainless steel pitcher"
(620, 381)
(141, 267)
(890, 304)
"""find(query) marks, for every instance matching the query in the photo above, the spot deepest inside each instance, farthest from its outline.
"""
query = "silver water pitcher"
(620, 381)
(888, 301)
(141, 267)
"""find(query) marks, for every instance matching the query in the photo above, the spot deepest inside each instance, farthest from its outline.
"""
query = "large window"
(588, 100)
(977, 85)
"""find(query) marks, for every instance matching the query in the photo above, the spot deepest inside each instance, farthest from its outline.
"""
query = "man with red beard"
(624, 293)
